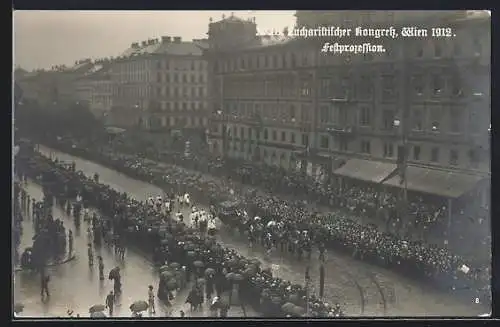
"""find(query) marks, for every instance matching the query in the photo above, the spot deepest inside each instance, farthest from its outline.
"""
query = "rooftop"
(171, 48)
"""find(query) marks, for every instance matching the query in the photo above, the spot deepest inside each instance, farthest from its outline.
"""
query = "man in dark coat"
(44, 284)
(209, 286)
(110, 302)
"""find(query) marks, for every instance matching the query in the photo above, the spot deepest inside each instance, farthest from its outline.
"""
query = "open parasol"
(198, 264)
(299, 311)
(249, 272)
(18, 308)
(271, 223)
(97, 308)
(288, 308)
(166, 275)
(97, 315)
(255, 261)
(276, 299)
(237, 277)
(164, 268)
(294, 298)
(233, 262)
(114, 273)
(139, 306)
(209, 271)
(174, 265)
(172, 284)
(189, 247)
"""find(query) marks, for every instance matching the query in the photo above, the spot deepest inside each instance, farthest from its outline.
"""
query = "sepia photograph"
(272, 164)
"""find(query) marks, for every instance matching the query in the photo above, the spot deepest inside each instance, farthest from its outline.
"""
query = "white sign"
(275, 269)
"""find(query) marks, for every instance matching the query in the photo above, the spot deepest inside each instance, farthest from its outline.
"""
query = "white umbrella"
(257, 218)
(271, 223)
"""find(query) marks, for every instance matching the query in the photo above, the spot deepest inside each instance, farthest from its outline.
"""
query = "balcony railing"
(341, 130)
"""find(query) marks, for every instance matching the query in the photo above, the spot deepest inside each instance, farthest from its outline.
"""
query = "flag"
(401, 162)
(464, 269)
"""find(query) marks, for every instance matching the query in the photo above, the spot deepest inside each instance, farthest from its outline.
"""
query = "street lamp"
(308, 285)
(221, 116)
(403, 166)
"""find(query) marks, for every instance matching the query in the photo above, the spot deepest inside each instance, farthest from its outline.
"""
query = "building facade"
(95, 89)
(165, 81)
(59, 85)
(284, 102)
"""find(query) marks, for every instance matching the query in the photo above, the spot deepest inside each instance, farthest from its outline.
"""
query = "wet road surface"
(361, 288)
(76, 286)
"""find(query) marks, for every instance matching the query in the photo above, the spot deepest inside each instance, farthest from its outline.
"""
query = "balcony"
(344, 130)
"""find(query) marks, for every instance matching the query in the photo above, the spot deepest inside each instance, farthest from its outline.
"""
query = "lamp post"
(258, 128)
(221, 117)
(344, 125)
(403, 166)
(308, 284)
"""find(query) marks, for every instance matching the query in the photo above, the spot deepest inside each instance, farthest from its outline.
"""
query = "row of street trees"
(59, 119)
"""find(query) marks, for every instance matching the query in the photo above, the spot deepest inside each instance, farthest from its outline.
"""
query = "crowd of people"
(202, 256)
(427, 215)
(49, 243)
(291, 218)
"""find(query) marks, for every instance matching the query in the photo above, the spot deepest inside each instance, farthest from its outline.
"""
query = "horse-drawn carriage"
(230, 212)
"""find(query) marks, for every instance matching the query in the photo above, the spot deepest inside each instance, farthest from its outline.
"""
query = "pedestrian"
(117, 286)
(224, 310)
(90, 254)
(151, 299)
(110, 302)
(101, 268)
(214, 307)
(44, 289)
(70, 242)
(89, 234)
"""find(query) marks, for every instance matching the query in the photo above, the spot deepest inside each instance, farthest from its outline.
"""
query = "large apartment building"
(161, 84)
(55, 85)
(282, 101)
(95, 88)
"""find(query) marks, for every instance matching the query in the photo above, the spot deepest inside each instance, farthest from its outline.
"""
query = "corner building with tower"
(278, 100)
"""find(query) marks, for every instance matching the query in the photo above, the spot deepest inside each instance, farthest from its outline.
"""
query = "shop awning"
(366, 170)
(438, 182)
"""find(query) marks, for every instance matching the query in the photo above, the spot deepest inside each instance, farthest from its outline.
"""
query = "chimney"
(177, 39)
(144, 43)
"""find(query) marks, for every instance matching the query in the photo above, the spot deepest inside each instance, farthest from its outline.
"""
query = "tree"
(57, 120)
